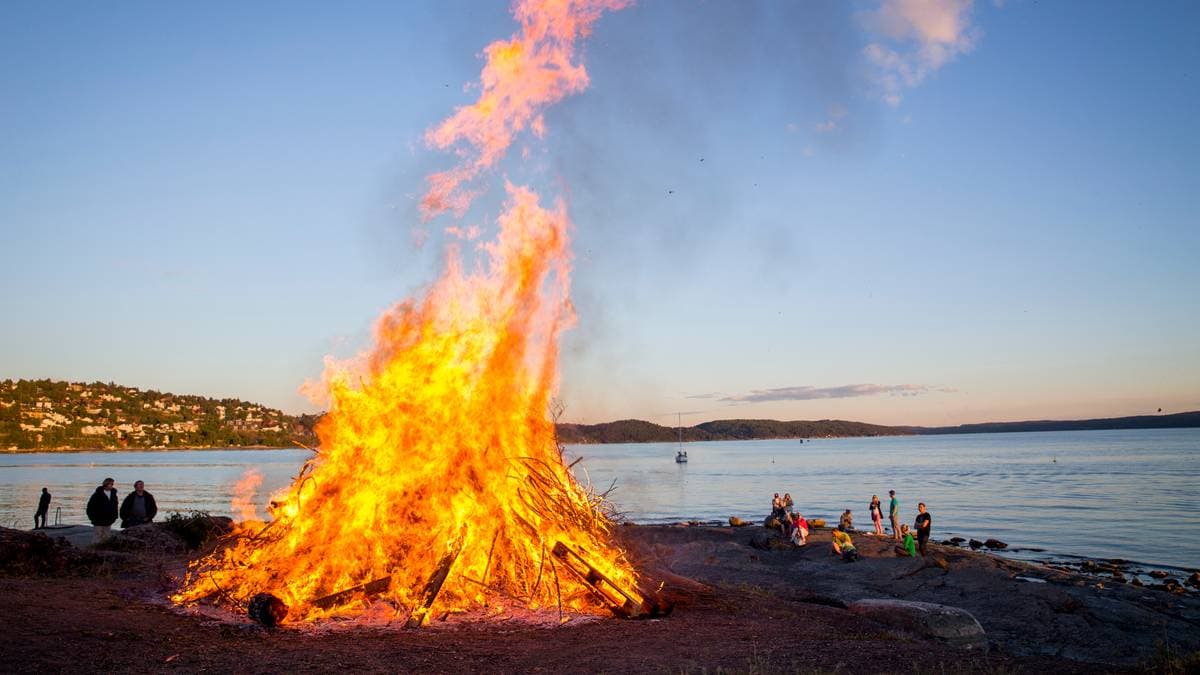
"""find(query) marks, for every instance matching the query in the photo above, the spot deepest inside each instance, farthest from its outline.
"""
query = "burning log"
(370, 588)
(267, 610)
(434, 586)
(622, 603)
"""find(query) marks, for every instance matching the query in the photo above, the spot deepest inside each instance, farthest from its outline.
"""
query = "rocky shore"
(746, 601)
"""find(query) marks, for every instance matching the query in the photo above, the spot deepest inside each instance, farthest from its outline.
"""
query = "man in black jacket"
(102, 509)
(924, 522)
(138, 508)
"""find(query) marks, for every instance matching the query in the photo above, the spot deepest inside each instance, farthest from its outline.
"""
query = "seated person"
(909, 546)
(799, 530)
(843, 545)
(847, 521)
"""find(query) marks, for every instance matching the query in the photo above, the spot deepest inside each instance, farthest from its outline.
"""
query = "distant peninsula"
(638, 431)
(50, 415)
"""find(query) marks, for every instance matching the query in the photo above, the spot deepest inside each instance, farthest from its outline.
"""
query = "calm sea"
(1132, 494)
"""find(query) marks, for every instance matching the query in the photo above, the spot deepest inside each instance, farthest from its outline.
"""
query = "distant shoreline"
(637, 431)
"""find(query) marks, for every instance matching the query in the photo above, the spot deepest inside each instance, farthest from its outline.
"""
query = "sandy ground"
(740, 609)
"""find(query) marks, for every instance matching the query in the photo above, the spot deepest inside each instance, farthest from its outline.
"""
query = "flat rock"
(765, 540)
(79, 536)
(951, 625)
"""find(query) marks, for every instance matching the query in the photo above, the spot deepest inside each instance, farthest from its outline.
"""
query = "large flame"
(438, 451)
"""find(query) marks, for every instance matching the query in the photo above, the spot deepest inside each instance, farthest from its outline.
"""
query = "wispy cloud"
(833, 123)
(914, 38)
(807, 393)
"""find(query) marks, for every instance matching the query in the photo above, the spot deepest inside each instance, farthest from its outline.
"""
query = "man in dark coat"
(102, 509)
(138, 508)
(39, 518)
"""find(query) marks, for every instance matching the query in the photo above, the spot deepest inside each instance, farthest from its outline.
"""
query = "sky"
(892, 211)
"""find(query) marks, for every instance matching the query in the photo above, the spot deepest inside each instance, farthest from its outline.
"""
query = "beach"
(743, 602)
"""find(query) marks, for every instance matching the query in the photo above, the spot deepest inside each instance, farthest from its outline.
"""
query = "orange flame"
(438, 439)
(523, 76)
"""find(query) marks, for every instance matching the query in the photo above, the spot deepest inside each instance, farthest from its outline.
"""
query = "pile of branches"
(545, 489)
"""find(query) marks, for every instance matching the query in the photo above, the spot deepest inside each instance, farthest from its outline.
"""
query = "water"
(1132, 494)
(180, 480)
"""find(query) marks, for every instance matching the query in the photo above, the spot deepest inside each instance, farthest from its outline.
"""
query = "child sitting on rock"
(847, 521)
(909, 546)
(799, 530)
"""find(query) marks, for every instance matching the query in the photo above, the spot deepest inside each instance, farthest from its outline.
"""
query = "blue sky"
(209, 199)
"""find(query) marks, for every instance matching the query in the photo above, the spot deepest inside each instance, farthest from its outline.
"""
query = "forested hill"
(1172, 421)
(54, 415)
(638, 431)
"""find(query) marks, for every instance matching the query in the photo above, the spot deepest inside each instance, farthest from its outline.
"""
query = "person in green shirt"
(909, 547)
(894, 511)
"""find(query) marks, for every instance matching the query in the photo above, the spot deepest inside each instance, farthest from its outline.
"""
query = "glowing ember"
(439, 480)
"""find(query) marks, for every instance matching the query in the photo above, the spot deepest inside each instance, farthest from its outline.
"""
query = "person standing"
(876, 511)
(924, 523)
(42, 510)
(894, 511)
(102, 509)
(138, 508)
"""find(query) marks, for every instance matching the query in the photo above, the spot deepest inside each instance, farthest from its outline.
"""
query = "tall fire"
(439, 485)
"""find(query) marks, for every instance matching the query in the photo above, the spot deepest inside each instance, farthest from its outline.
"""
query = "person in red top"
(799, 530)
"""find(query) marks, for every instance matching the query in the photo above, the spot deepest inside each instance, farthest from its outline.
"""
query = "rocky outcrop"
(950, 625)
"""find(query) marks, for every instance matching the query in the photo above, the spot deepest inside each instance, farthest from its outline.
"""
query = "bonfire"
(439, 485)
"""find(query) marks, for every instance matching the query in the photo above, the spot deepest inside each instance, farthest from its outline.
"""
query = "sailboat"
(680, 455)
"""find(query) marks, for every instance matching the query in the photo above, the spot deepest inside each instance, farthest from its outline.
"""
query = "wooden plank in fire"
(370, 588)
(434, 586)
(621, 602)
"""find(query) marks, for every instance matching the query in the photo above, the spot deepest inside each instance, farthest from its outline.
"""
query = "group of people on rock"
(138, 508)
(796, 528)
